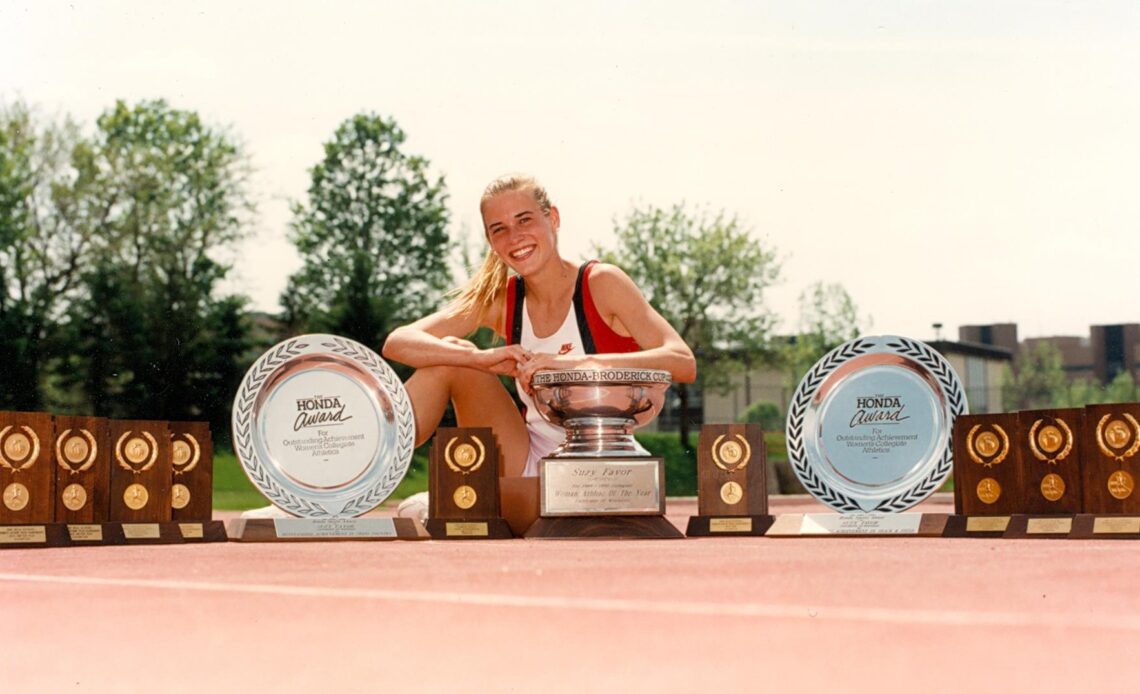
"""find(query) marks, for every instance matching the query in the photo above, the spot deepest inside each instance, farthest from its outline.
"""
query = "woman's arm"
(437, 340)
(625, 309)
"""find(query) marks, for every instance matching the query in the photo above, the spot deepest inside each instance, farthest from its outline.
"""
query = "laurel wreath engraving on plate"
(938, 367)
(260, 475)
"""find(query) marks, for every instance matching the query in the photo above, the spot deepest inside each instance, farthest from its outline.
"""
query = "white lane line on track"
(875, 615)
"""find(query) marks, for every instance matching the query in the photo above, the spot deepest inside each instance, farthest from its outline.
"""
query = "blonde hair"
(487, 286)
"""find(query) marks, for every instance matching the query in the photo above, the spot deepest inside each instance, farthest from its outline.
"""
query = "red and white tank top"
(583, 331)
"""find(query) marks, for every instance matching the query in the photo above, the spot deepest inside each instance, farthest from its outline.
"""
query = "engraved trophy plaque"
(323, 428)
(1050, 443)
(869, 434)
(192, 482)
(601, 482)
(1110, 466)
(141, 469)
(464, 486)
(988, 486)
(27, 479)
(192, 459)
(732, 489)
(83, 470)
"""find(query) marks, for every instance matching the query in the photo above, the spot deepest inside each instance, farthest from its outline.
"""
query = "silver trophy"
(600, 408)
(601, 482)
(324, 429)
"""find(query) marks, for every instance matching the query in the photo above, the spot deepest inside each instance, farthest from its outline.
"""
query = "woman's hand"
(541, 361)
(502, 361)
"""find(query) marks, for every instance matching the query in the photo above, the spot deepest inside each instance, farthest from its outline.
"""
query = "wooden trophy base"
(976, 526)
(480, 529)
(98, 534)
(858, 525)
(1033, 527)
(1087, 526)
(325, 529)
(731, 526)
(599, 527)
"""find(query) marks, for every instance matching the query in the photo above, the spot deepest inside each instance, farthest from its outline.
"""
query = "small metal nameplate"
(861, 524)
(466, 529)
(987, 524)
(1116, 526)
(141, 531)
(85, 533)
(588, 486)
(191, 531)
(730, 525)
(1049, 526)
(334, 527)
(23, 534)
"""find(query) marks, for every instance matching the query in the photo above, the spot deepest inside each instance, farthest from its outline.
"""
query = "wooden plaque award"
(192, 460)
(1049, 443)
(463, 484)
(988, 486)
(82, 470)
(141, 471)
(27, 478)
(732, 490)
(1110, 469)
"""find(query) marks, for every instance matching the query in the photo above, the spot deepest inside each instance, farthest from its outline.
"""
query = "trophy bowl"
(600, 408)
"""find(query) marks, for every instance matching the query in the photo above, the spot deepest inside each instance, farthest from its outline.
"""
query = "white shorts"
(541, 444)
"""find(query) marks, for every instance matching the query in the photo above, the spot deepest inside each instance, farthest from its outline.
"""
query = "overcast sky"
(954, 161)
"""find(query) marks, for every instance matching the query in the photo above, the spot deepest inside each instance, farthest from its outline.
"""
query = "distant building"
(1100, 356)
(979, 368)
(1115, 348)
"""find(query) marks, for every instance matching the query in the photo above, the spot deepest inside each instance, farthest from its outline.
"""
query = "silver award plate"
(869, 427)
(323, 427)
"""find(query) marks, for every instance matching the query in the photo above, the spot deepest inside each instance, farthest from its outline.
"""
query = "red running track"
(699, 615)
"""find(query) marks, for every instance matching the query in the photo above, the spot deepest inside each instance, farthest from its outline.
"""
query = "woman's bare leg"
(480, 400)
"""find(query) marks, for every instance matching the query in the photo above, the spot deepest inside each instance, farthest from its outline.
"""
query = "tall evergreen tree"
(372, 236)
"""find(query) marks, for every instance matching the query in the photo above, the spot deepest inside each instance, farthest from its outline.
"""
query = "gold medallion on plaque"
(1118, 439)
(185, 453)
(19, 448)
(179, 496)
(464, 459)
(731, 455)
(989, 490)
(1052, 487)
(135, 497)
(136, 453)
(74, 497)
(1050, 442)
(731, 493)
(987, 448)
(16, 496)
(465, 496)
(1121, 484)
(76, 450)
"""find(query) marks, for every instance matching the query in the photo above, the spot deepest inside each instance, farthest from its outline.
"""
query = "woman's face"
(519, 232)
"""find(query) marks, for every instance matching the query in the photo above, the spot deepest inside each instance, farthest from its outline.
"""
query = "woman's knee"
(455, 377)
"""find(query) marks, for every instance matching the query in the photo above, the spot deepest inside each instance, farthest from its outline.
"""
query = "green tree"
(373, 236)
(706, 274)
(45, 235)
(828, 317)
(1083, 392)
(149, 334)
(1038, 382)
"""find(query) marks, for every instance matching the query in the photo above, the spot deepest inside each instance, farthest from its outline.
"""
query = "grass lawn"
(234, 492)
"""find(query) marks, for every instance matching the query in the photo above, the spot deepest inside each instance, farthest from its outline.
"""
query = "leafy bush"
(766, 414)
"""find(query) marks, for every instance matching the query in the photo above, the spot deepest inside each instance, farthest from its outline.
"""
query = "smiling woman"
(551, 314)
